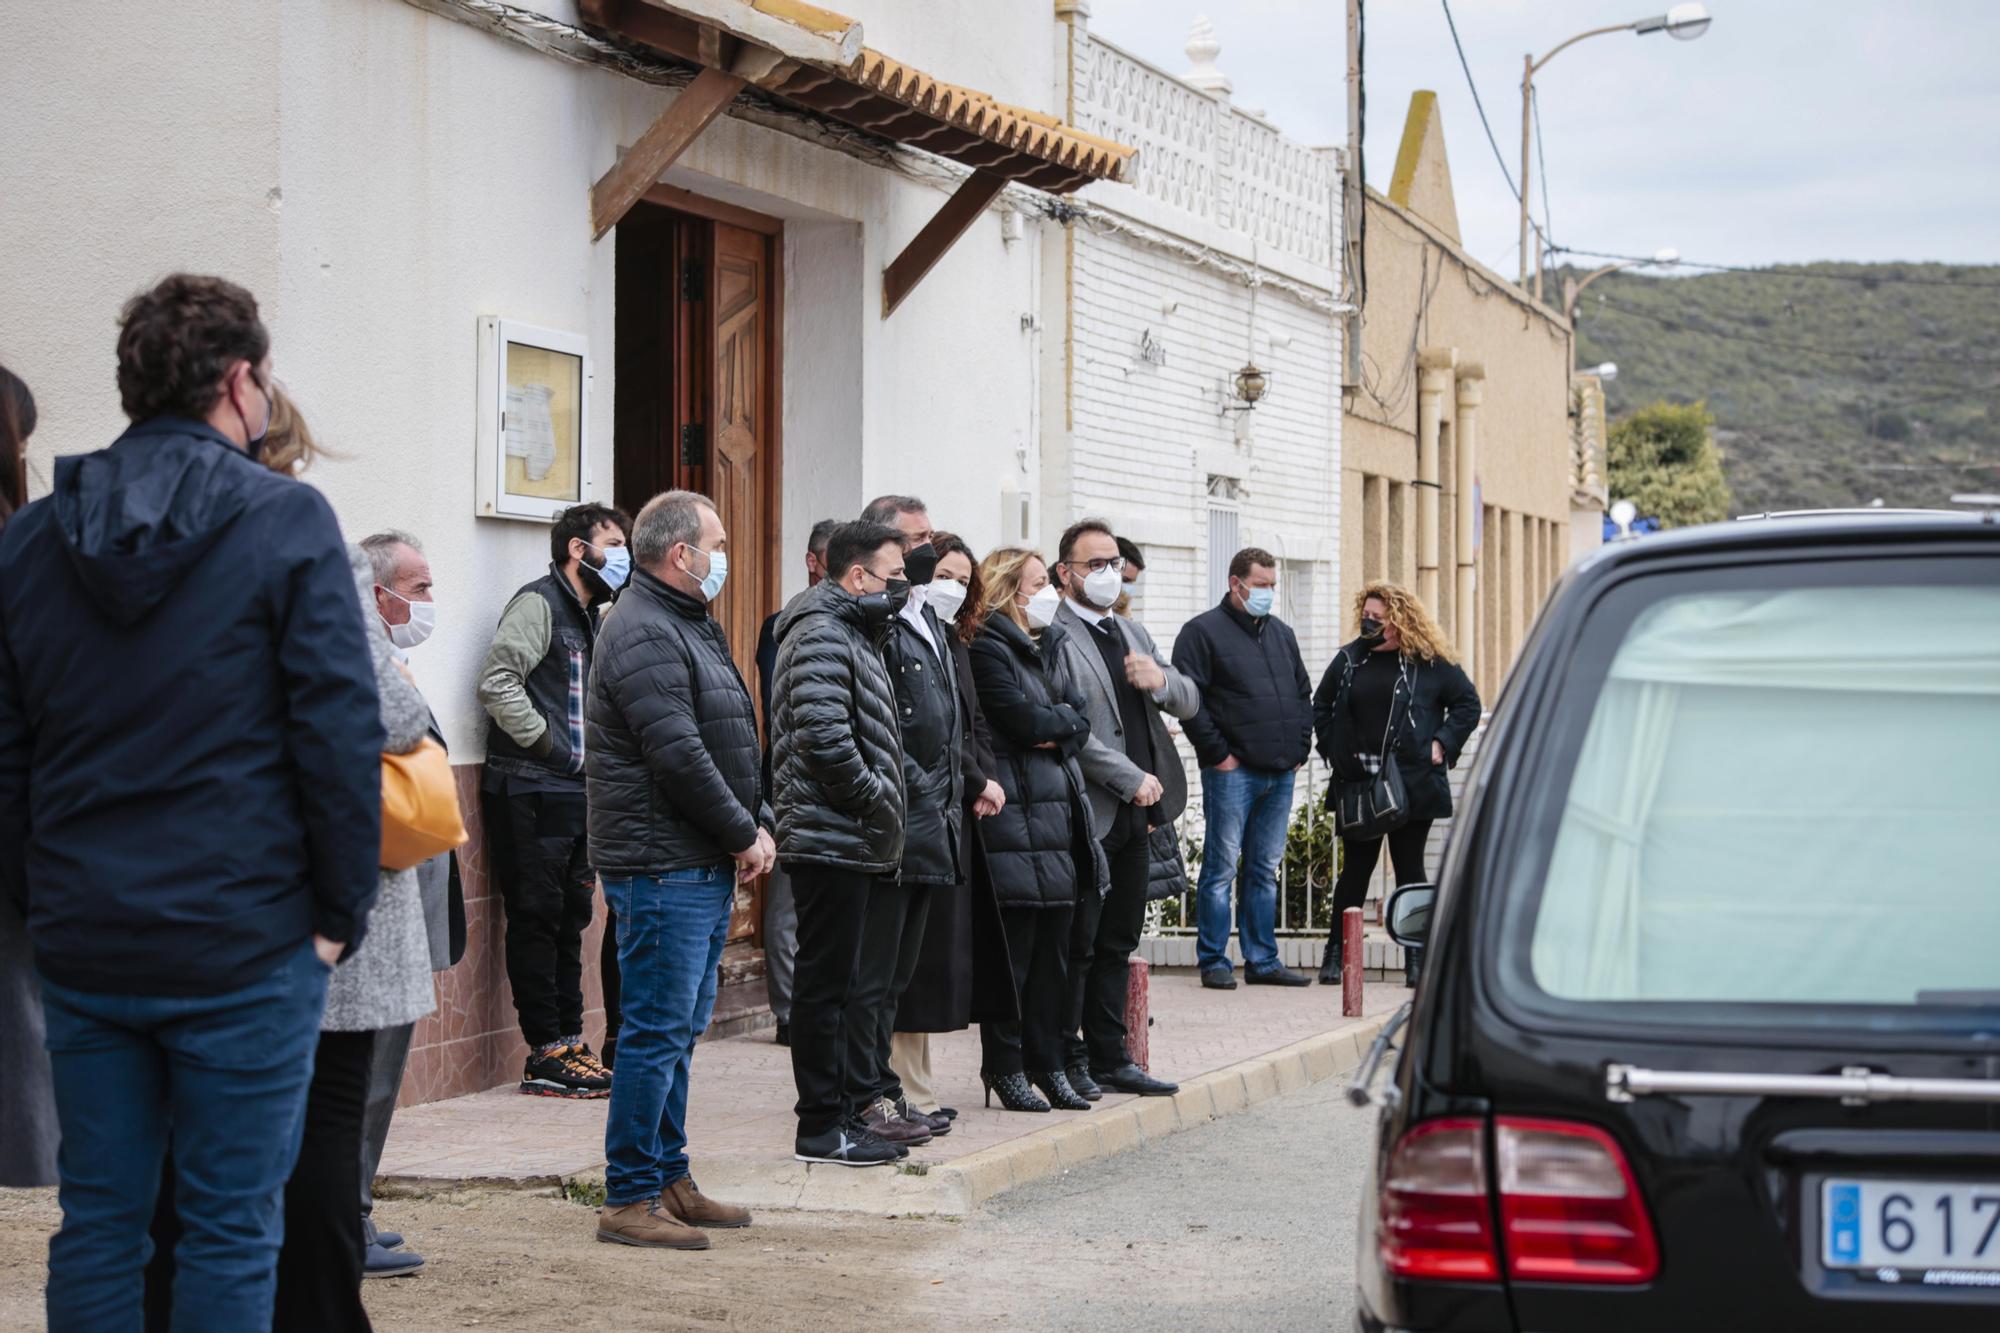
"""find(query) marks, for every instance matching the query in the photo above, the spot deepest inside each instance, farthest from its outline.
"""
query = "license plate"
(1911, 1224)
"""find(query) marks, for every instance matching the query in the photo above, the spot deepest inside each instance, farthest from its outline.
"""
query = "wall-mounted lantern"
(1250, 386)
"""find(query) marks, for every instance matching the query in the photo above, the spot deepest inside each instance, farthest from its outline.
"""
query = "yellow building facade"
(1459, 474)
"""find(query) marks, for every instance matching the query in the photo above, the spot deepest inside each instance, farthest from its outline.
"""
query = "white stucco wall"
(382, 177)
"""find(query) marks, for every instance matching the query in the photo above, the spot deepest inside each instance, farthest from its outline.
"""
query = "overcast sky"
(1794, 130)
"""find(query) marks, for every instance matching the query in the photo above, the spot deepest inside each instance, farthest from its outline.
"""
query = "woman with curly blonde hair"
(1394, 695)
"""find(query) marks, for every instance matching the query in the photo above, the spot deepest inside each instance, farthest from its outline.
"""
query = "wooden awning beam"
(659, 148)
(921, 255)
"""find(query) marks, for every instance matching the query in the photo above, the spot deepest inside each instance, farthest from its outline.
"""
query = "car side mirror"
(1408, 915)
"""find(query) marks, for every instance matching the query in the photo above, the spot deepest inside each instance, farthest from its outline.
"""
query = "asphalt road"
(1244, 1223)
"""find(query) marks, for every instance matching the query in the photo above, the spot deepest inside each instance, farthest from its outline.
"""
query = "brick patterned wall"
(472, 1041)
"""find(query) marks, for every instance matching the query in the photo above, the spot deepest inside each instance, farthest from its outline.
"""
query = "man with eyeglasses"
(840, 799)
(1136, 785)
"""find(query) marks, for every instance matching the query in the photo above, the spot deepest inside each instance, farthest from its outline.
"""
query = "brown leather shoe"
(684, 1200)
(881, 1117)
(646, 1223)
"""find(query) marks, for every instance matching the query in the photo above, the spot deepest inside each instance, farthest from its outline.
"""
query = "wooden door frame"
(771, 578)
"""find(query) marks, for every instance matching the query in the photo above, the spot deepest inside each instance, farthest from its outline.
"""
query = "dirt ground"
(1246, 1223)
(530, 1261)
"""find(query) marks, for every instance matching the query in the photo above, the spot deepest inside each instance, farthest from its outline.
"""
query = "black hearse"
(1708, 1035)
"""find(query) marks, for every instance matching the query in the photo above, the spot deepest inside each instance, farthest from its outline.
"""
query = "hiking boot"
(839, 1147)
(556, 1072)
(882, 1119)
(688, 1204)
(581, 1056)
(647, 1223)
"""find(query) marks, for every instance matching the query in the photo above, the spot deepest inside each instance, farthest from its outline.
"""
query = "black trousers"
(541, 858)
(1406, 853)
(1039, 938)
(833, 911)
(892, 939)
(319, 1268)
(1099, 973)
(319, 1265)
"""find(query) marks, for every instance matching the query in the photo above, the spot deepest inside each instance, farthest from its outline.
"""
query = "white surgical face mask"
(420, 626)
(1042, 607)
(944, 596)
(1102, 586)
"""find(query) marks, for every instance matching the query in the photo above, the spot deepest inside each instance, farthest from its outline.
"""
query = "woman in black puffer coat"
(1395, 695)
(1039, 848)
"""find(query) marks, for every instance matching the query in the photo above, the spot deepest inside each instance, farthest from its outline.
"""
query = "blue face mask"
(617, 566)
(1258, 601)
(718, 573)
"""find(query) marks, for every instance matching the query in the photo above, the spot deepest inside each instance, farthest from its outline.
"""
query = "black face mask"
(880, 606)
(1370, 628)
(920, 563)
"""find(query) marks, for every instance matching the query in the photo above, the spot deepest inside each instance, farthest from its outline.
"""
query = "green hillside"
(1871, 381)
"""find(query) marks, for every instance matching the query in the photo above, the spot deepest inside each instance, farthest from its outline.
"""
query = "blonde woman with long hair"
(1394, 695)
(1040, 851)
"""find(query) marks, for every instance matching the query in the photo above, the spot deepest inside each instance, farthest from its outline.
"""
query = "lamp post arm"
(1535, 65)
(1529, 66)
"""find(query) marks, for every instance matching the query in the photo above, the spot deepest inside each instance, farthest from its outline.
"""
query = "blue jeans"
(1247, 813)
(671, 929)
(228, 1074)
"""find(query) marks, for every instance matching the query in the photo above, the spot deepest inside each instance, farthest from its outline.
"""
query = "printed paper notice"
(541, 436)
(531, 433)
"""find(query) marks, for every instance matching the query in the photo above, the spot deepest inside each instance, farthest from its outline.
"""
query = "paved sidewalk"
(1254, 1041)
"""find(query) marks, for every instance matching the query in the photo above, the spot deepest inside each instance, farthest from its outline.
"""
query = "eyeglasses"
(1116, 562)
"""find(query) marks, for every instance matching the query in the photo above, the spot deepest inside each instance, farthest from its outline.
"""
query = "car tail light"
(1570, 1210)
(1435, 1220)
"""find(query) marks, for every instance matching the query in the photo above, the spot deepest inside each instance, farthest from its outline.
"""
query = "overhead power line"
(1867, 279)
(1480, 106)
(1708, 331)
(1542, 166)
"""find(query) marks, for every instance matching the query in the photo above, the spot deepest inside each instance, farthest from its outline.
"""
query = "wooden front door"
(697, 409)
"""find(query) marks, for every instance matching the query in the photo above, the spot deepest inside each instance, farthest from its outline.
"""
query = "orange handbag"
(420, 816)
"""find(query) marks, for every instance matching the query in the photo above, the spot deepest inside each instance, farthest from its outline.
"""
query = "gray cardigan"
(1110, 777)
(386, 982)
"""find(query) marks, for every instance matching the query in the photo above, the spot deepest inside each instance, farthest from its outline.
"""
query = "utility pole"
(1352, 202)
(1527, 110)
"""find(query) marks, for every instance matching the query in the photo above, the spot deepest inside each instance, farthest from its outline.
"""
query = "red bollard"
(1137, 1021)
(1352, 963)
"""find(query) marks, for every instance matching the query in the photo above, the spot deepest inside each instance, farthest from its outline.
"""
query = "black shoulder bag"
(1377, 805)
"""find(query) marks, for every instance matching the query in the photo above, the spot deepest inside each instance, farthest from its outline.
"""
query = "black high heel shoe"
(1055, 1086)
(1015, 1094)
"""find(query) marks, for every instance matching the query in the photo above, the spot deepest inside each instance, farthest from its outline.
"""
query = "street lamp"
(1683, 22)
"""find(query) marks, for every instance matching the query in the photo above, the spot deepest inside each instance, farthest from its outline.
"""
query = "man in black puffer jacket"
(837, 767)
(677, 817)
(1252, 733)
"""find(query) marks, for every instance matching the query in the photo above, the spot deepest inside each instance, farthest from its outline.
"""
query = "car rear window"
(1782, 795)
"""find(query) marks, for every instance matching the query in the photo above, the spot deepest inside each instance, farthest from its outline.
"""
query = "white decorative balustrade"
(1202, 157)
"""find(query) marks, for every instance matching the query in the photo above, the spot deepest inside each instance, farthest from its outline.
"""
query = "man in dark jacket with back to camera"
(677, 817)
(1252, 733)
(532, 794)
(837, 762)
(190, 809)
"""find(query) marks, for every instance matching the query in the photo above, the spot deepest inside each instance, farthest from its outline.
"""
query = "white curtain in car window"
(1786, 797)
